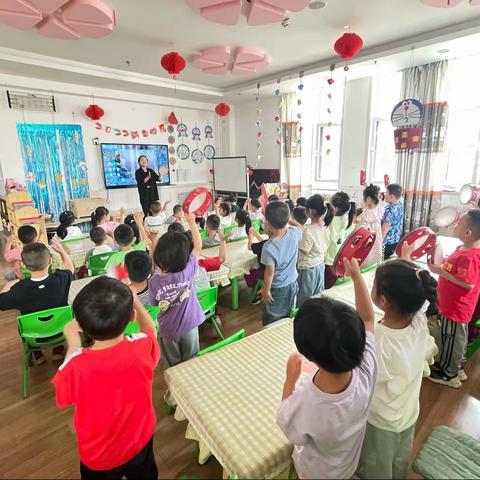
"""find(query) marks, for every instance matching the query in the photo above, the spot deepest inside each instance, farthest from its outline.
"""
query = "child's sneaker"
(58, 352)
(439, 377)
(462, 375)
(38, 358)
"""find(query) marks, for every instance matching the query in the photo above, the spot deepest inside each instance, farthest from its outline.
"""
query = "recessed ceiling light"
(317, 5)
(443, 50)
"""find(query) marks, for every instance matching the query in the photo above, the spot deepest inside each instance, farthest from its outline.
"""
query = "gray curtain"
(419, 170)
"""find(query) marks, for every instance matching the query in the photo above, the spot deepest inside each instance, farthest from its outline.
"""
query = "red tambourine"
(357, 245)
(468, 194)
(424, 241)
(193, 198)
(447, 217)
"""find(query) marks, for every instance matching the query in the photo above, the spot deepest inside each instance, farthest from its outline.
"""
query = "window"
(322, 121)
(385, 95)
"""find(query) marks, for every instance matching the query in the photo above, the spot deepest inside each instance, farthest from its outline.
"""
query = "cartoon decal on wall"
(407, 118)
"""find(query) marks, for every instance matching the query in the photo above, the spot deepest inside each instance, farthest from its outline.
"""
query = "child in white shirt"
(403, 344)
(254, 208)
(325, 415)
(158, 216)
(223, 211)
(66, 230)
(242, 218)
(98, 237)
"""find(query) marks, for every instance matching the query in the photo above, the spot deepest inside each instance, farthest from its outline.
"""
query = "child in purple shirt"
(171, 288)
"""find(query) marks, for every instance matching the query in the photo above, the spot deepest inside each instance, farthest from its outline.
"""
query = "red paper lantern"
(172, 119)
(348, 45)
(94, 112)
(173, 63)
(222, 109)
(212, 171)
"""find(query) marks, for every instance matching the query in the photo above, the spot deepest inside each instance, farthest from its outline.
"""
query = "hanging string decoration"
(348, 45)
(172, 119)
(94, 112)
(123, 132)
(328, 130)
(173, 63)
(278, 116)
(300, 88)
(258, 123)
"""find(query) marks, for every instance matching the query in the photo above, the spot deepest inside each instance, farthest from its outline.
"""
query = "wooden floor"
(37, 439)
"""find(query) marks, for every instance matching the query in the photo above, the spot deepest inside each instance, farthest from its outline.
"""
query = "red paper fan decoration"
(222, 109)
(94, 112)
(348, 45)
(173, 63)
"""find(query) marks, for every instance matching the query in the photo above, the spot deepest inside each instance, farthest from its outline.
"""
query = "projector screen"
(120, 161)
(230, 176)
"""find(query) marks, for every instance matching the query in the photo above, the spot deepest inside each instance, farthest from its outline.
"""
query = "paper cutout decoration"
(182, 130)
(172, 119)
(94, 112)
(407, 118)
(183, 152)
(61, 19)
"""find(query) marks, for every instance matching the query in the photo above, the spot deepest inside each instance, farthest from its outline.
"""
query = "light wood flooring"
(37, 439)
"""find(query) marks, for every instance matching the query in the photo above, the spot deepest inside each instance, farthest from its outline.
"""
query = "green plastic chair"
(140, 246)
(227, 230)
(474, 345)
(208, 301)
(258, 286)
(203, 234)
(25, 272)
(257, 225)
(133, 327)
(41, 330)
(293, 313)
(227, 341)
(74, 239)
(97, 263)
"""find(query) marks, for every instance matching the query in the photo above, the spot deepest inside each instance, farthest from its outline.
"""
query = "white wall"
(123, 110)
(246, 132)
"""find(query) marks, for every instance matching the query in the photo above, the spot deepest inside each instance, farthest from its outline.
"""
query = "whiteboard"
(230, 176)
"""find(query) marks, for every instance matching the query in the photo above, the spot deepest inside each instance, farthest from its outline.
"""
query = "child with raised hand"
(458, 291)
(232, 202)
(254, 208)
(403, 344)
(392, 221)
(110, 383)
(279, 255)
(101, 218)
(325, 416)
(158, 215)
(171, 288)
(313, 248)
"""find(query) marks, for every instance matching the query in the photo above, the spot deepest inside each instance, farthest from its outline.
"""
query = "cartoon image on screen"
(120, 161)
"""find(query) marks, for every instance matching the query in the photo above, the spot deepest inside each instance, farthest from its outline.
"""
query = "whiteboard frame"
(244, 194)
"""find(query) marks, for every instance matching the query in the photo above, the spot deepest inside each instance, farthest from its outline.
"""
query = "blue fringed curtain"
(54, 162)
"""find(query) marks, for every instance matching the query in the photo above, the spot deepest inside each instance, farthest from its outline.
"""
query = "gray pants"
(385, 454)
(177, 351)
(311, 281)
(453, 344)
(283, 302)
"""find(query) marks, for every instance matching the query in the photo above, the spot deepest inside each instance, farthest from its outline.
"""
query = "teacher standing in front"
(146, 183)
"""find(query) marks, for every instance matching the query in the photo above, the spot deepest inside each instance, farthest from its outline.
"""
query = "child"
(110, 383)
(256, 273)
(139, 268)
(232, 201)
(213, 226)
(171, 287)
(223, 211)
(302, 202)
(371, 217)
(177, 215)
(458, 291)
(43, 290)
(341, 226)
(254, 207)
(124, 237)
(324, 417)
(279, 255)
(66, 229)
(402, 344)
(101, 218)
(299, 214)
(242, 218)
(158, 215)
(98, 236)
(290, 204)
(313, 248)
(392, 221)
(273, 198)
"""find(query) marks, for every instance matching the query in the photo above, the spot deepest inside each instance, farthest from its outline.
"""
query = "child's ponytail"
(66, 220)
(430, 288)
(97, 215)
(351, 214)
(329, 214)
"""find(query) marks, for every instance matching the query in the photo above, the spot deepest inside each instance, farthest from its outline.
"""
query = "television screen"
(120, 161)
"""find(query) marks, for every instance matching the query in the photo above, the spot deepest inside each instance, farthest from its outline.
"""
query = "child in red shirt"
(110, 383)
(458, 292)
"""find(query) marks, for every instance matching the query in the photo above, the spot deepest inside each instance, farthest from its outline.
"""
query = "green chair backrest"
(44, 328)
(133, 327)
(229, 229)
(257, 225)
(118, 258)
(203, 234)
(342, 280)
(369, 268)
(223, 343)
(25, 272)
(139, 246)
(208, 298)
(97, 263)
(293, 312)
(74, 239)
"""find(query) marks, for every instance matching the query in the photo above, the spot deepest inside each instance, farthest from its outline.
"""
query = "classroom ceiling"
(147, 28)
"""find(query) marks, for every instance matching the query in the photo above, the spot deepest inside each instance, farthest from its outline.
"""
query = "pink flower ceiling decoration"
(238, 61)
(447, 3)
(258, 12)
(63, 19)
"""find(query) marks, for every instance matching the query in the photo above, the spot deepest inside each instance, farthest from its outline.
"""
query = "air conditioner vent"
(30, 101)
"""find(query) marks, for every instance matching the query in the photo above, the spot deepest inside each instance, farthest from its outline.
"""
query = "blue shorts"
(283, 302)
(311, 281)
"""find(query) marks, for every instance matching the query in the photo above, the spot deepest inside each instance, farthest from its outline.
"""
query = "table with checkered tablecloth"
(231, 397)
(79, 250)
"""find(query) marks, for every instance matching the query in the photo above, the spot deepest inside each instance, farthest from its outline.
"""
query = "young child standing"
(110, 383)
(403, 344)
(139, 267)
(392, 221)
(299, 214)
(313, 248)
(171, 288)
(279, 255)
(458, 291)
(324, 417)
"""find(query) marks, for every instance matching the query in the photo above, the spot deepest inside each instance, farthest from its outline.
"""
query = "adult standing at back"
(146, 183)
